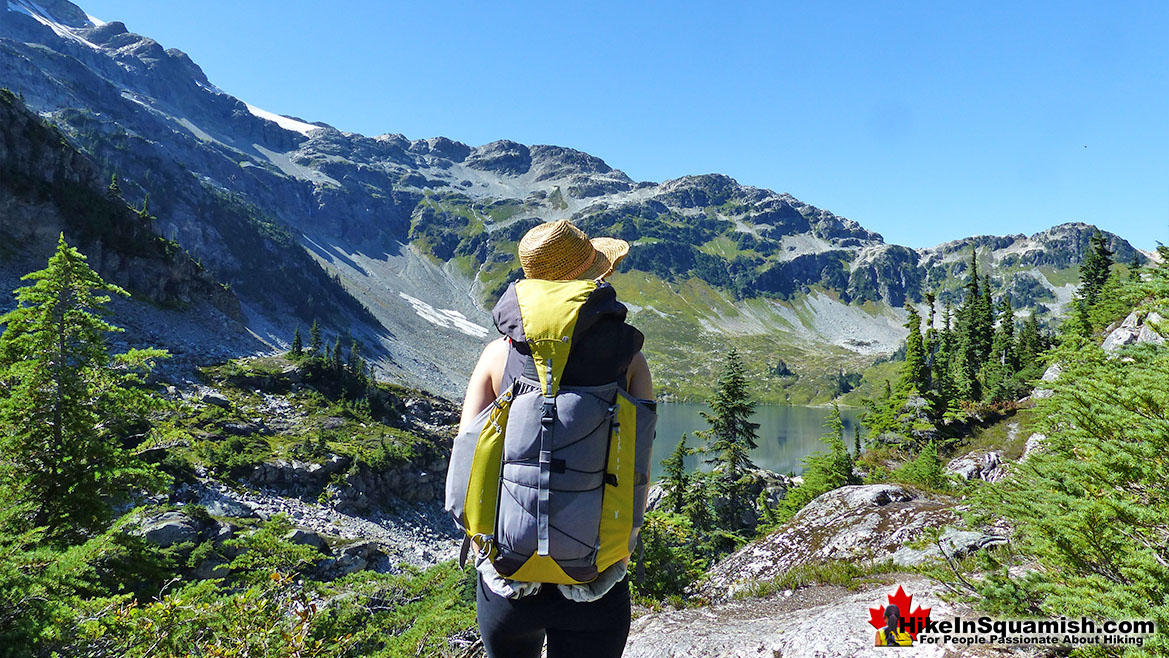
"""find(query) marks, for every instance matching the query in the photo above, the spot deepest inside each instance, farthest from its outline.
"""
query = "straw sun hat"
(560, 251)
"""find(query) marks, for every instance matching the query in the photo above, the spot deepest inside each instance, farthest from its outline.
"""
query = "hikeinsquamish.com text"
(1047, 632)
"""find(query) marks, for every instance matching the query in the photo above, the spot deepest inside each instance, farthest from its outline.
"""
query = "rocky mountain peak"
(61, 12)
(502, 157)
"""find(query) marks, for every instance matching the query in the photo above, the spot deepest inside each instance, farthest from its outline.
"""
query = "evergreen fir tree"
(1030, 343)
(823, 471)
(914, 373)
(354, 365)
(68, 405)
(731, 435)
(940, 371)
(675, 481)
(314, 339)
(1134, 268)
(1002, 365)
(144, 212)
(856, 440)
(297, 348)
(115, 190)
(1095, 268)
(335, 357)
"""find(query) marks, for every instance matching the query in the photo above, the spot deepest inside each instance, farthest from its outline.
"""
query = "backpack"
(549, 481)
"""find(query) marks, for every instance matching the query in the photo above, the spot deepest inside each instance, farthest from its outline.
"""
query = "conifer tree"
(1030, 343)
(144, 212)
(856, 440)
(675, 481)
(335, 358)
(314, 339)
(1095, 268)
(940, 372)
(297, 348)
(115, 190)
(731, 435)
(1134, 268)
(914, 373)
(66, 404)
(1002, 364)
(823, 471)
(354, 365)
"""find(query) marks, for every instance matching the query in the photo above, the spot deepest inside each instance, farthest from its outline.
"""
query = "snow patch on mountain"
(44, 17)
(306, 129)
(444, 317)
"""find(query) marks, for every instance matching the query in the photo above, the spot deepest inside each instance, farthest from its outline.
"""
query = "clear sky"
(924, 121)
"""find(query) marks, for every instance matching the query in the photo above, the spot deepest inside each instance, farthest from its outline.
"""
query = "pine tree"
(115, 190)
(1002, 364)
(1095, 268)
(940, 372)
(856, 440)
(823, 471)
(1030, 343)
(314, 339)
(144, 212)
(731, 435)
(297, 348)
(1134, 268)
(335, 357)
(914, 373)
(675, 481)
(67, 405)
(354, 365)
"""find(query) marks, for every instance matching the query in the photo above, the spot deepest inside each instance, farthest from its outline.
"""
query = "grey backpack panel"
(580, 441)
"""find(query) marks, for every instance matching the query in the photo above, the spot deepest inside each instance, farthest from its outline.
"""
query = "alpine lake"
(787, 434)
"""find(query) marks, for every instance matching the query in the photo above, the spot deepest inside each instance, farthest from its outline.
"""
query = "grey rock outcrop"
(168, 529)
(1136, 328)
(862, 522)
(978, 466)
(954, 544)
(824, 622)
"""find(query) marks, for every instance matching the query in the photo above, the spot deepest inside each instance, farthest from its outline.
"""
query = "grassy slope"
(690, 325)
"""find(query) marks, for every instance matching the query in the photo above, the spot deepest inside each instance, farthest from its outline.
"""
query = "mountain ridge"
(398, 234)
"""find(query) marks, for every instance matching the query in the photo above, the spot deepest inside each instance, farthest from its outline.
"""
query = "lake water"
(786, 434)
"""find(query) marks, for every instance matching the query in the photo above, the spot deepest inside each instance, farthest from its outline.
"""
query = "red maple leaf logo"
(910, 623)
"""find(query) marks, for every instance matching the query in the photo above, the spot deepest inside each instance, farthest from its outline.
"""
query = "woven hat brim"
(610, 252)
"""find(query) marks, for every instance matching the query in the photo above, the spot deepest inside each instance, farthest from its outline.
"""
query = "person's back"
(592, 618)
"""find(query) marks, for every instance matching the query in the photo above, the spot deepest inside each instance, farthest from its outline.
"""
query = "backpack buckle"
(548, 414)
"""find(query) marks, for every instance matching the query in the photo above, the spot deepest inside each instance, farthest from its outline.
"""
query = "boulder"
(1050, 375)
(1034, 445)
(217, 399)
(956, 543)
(861, 522)
(1134, 329)
(212, 567)
(169, 529)
(307, 538)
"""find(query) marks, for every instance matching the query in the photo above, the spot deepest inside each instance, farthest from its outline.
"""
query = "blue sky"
(924, 121)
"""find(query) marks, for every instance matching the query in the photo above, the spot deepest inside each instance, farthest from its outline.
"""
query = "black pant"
(515, 628)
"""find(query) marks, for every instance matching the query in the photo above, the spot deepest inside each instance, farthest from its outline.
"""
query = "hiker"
(590, 618)
(891, 635)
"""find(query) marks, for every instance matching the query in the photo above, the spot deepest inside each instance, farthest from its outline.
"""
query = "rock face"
(863, 522)
(824, 622)
(980, 466)
(1136, 328)
(169, 529)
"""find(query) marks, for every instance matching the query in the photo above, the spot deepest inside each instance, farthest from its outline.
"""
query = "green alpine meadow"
(235, 344)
